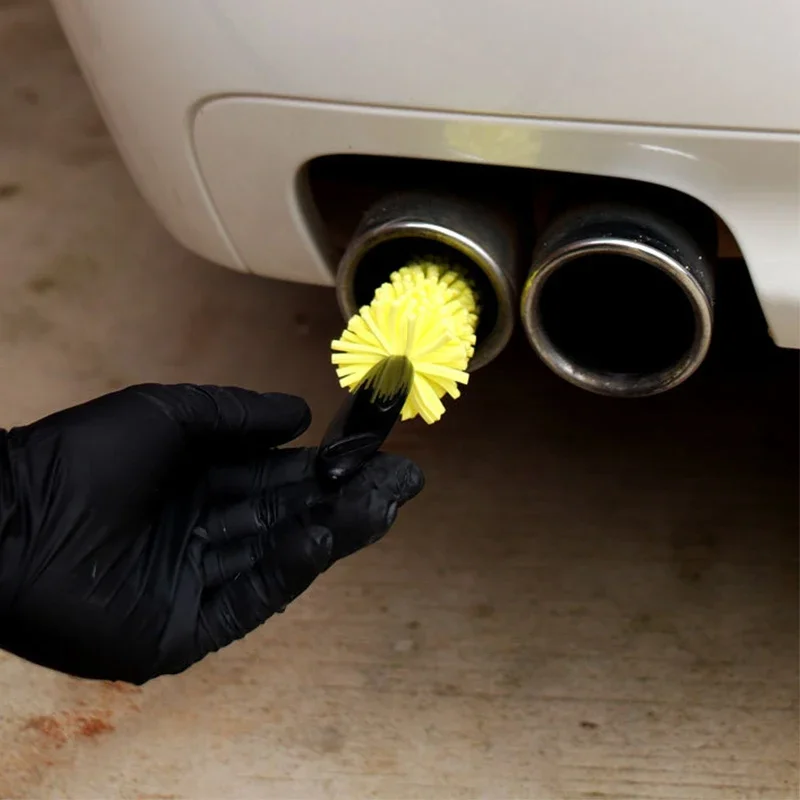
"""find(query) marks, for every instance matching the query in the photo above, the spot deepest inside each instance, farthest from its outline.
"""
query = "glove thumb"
(366, 507)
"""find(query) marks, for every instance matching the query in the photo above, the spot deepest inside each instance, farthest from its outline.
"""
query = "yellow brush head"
(428, 312)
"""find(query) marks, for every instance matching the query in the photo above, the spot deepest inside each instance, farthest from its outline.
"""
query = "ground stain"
(9, 190)
(67, 272)
(22, 323)
(578, 611)
(157, 797)
(90, 151)
(58, 729)
(123, 688)
(694, 545)
(95, 128)
(41, 284)
(510, 680)
(447, 690)
(50, 727)
(651, 623)
(329, 740)
(27, 95)
(692, 563)
(113, 383)
(94, 726)
(482, 611)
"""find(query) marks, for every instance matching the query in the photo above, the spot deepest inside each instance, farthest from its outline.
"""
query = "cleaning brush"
(428, 313)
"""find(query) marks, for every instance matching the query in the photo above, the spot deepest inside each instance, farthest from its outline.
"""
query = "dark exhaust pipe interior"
(619, 301)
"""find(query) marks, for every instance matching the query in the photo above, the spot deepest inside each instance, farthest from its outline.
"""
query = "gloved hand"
(145, 529)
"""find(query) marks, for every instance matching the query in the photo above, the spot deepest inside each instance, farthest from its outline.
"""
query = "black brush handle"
(357, 433)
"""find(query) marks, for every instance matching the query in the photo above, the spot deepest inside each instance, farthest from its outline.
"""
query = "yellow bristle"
(426, 311)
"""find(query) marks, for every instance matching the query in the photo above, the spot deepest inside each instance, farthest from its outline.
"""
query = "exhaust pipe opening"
(400, 228)
(619, 302)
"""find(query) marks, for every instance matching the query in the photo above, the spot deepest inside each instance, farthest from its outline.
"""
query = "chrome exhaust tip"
(619, 301)
(416, 224)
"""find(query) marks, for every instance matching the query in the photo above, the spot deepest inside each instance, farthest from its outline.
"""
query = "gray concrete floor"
(591, 599)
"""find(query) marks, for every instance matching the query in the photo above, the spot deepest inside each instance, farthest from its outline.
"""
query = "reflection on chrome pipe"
(619, 301)
(407, 225)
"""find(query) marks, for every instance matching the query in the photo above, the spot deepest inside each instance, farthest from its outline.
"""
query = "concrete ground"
(592, 599)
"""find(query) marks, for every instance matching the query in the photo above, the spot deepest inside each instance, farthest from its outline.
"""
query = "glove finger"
(366, 507)
(220, 564)
(222, 411)
(257, 515)
(225, 562)
(276, 468)
(243, 603)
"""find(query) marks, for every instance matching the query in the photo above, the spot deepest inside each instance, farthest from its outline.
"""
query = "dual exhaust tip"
(618, 300)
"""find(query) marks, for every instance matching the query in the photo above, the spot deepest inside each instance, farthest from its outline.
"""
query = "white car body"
(218, 105)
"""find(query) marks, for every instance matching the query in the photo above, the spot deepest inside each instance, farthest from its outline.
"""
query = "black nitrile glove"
(145, 529)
